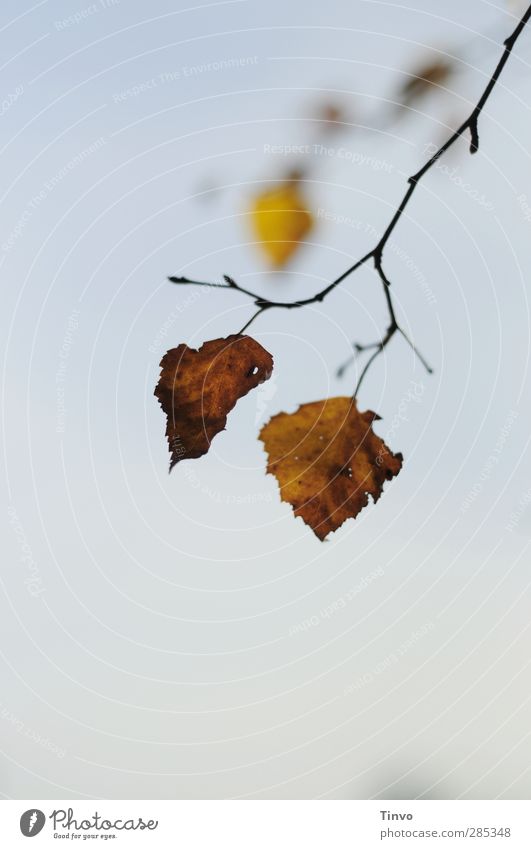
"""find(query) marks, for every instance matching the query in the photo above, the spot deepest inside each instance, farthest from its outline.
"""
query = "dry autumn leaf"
(280, 219)
(332, 115)
(197, 389)
(424, 79)
(328, 460)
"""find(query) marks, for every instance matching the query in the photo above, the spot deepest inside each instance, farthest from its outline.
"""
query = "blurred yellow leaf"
(281, 219)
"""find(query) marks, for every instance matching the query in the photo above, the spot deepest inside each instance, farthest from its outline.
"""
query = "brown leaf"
(332, 115)
(328, 460)
(280, 219)
(424, 79)
(197, 389)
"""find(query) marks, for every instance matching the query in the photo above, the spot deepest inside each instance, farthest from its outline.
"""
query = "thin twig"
(358, 349)
(470, 125)
(394, 327)
(248, 323)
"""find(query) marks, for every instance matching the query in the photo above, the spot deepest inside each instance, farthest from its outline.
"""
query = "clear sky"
(183, 636)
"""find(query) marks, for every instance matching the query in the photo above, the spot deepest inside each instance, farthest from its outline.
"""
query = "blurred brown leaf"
(332, 116)
(424, 79)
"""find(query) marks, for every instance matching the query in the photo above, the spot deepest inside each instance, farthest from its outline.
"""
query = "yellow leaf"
(280, 219)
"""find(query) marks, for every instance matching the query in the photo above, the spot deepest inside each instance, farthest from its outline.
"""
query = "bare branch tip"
(474, 136)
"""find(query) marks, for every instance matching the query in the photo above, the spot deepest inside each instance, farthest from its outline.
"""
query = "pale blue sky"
(158, 648)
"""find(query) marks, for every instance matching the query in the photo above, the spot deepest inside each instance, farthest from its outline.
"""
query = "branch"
(380, 346)
(470, 125)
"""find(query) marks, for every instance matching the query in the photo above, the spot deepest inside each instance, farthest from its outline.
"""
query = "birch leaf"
(280, 220)
(197, 389)
(328, 460)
